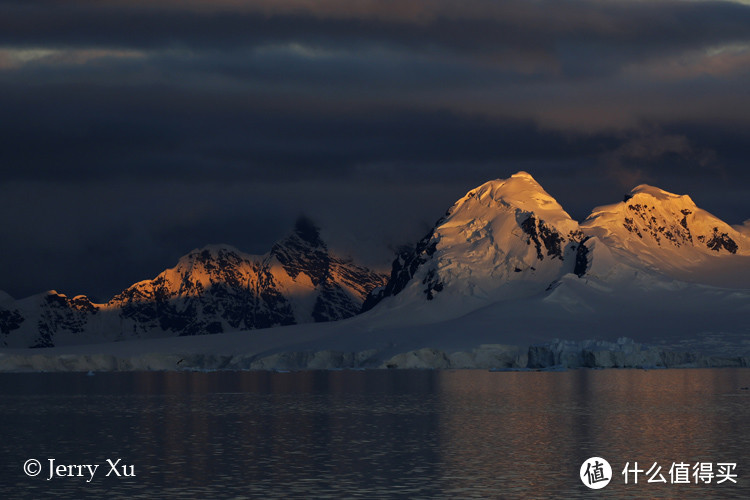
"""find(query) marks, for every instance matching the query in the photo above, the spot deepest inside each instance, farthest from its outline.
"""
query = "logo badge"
(596, 473)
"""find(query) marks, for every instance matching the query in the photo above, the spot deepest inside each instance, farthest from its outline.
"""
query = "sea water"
(373, 434)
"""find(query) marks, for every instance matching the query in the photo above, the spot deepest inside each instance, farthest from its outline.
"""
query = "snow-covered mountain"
(510, 241)
(505, 239)
(210, 290)
(669, 235)
(661, 219)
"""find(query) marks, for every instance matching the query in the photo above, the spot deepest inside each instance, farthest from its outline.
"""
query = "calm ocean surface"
(372, 434)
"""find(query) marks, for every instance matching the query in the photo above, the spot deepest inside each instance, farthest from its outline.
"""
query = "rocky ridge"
(210, 290)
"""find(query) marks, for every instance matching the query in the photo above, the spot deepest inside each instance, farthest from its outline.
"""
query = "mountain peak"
(520, 193)
(522, 174)
(663, 229)
(308, 231)
(213, 251)
(518, 182)
(656, 193)
(206, 263)
(499, 234)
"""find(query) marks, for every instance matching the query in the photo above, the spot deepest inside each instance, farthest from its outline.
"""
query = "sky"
(134, 131)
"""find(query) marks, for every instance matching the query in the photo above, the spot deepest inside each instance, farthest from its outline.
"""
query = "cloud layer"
(176, 108)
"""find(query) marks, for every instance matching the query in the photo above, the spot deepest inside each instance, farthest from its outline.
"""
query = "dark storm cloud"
(166, 131)
(133, 131)
(482, 26)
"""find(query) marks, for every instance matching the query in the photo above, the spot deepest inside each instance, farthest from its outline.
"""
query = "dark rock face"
(332, 304)
(334, 301)
(432, 280)
(55, 313)
(405, 266)
(684, 223)
(59, 313)
(304, 252)
(543, 236)
(10, 319)
(582, 261)
(645, 222)
(717, 241)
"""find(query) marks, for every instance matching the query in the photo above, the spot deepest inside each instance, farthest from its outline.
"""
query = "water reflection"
(529, 432)
(372, 434)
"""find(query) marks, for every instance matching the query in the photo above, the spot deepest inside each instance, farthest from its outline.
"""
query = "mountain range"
(505, 256)
(509, 239)
(211, 290)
